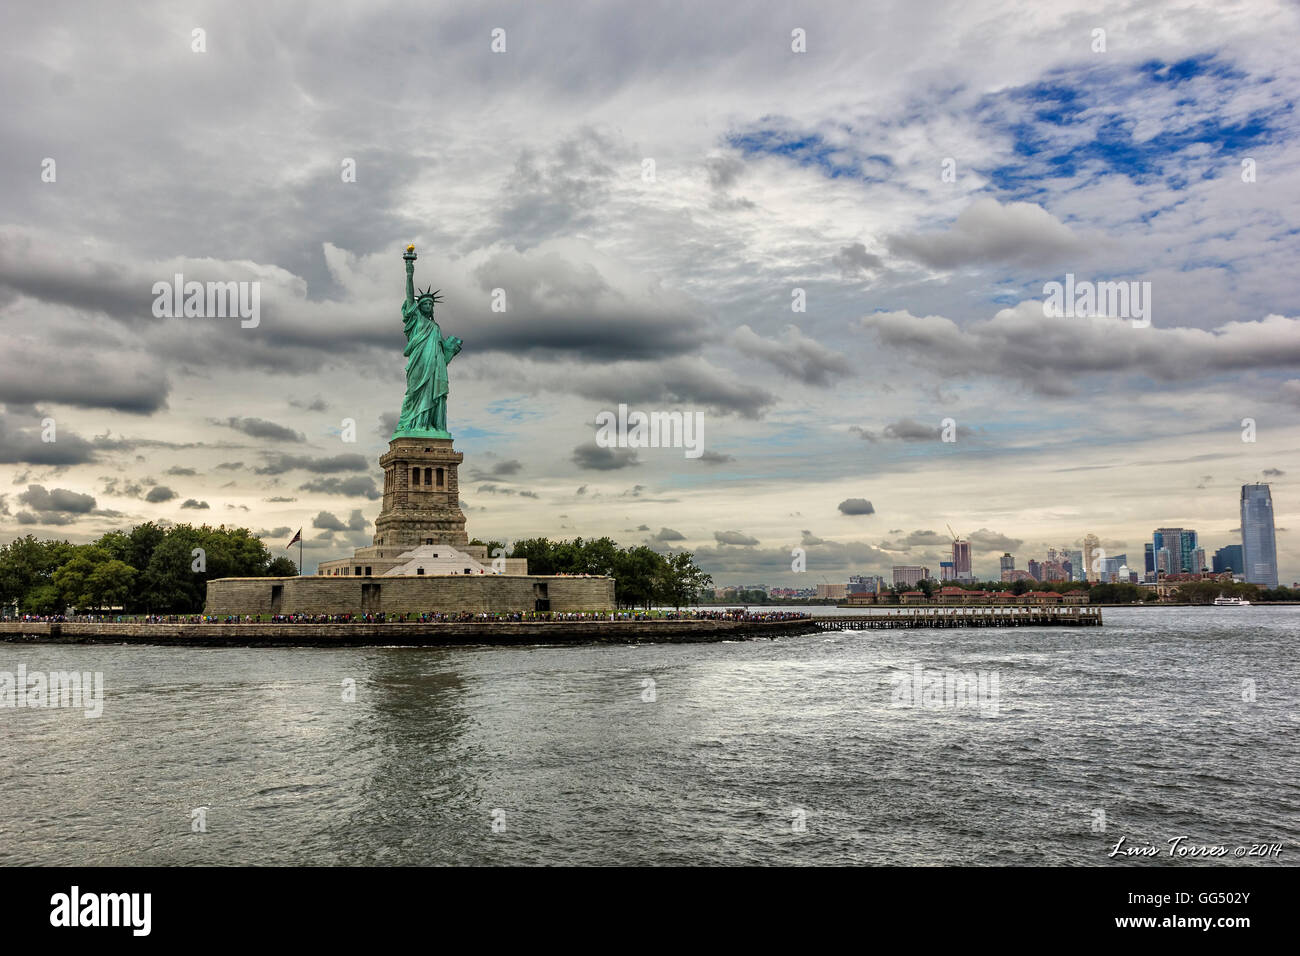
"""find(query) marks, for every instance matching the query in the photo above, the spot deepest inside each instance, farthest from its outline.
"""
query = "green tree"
(681, 580)
(27, 564)
(43, 599)
(282, 568)
(111, 584)
(539, 552)
(73, 578)
(636, 572)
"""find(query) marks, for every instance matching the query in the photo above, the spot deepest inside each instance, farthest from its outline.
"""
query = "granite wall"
(319, 594)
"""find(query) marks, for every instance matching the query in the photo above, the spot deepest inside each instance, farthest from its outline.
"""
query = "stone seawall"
(414, 594)
(413, 635)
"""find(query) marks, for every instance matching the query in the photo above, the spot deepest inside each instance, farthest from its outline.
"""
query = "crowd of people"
(432, 617)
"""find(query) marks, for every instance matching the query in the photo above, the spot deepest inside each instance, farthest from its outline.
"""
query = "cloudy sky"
(656, 187)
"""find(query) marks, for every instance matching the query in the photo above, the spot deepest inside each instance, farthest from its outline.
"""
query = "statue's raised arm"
(409, 256)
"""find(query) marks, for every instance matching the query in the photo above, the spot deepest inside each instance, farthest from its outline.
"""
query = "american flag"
(296, 538)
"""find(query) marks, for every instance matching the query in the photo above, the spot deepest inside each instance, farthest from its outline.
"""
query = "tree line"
(642, 576)
(147, 569)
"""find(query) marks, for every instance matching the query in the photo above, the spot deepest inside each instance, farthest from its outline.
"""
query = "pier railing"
(1020, 615)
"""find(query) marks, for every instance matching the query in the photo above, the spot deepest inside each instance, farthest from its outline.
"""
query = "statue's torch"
(409, 254)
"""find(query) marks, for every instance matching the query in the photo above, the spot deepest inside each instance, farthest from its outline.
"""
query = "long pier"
(1021, 615)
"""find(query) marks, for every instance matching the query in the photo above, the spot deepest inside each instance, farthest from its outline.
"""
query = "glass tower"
(1258, 544)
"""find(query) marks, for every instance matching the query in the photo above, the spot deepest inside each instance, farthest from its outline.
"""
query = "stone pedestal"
(421, 495)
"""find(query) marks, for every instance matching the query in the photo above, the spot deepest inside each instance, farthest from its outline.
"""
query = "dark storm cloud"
(562, 297)
(593, 457)
(279, 464)
(38, 498)
(668, 534)
(180, 472)
(261, 428)
(355, 487)
(159, 494)
(23, 445)
(45, 518)
(856, 506)
(810, 540)
(194, 504)
(280, 500)
(121, 383)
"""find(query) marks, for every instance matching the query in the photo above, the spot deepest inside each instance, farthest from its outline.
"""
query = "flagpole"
(299, 554)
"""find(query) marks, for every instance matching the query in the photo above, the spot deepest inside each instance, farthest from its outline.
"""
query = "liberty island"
(420, 560)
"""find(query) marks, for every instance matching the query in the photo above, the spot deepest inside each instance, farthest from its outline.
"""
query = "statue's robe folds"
(427, 354)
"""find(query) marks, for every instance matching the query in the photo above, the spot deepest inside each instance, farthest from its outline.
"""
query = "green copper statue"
(424, 409)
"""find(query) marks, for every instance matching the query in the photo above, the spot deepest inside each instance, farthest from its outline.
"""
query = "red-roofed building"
(1040, 597)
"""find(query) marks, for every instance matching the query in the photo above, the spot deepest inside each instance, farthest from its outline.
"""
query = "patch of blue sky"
(811, 149)
(1082, 124)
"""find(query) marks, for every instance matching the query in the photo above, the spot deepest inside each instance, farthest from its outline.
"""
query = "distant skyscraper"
(946, 572)
(1077, 570)
(1229, 559)
(961, 560)
(1258, 542)
(1181, 545)
(1035, 570)
(1007, 562)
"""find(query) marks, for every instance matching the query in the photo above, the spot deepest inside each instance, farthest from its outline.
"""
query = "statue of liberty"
(424, 408)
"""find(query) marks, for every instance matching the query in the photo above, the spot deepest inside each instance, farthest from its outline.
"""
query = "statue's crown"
(426, 294)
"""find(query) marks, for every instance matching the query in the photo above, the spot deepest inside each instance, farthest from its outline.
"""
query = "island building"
(420, 559)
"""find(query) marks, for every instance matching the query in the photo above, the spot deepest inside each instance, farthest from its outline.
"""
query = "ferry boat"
(1222, 601)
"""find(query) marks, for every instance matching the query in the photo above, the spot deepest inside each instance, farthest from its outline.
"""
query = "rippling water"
(1143, 719)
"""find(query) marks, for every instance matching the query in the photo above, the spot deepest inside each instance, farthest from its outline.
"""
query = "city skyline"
(841, 260)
